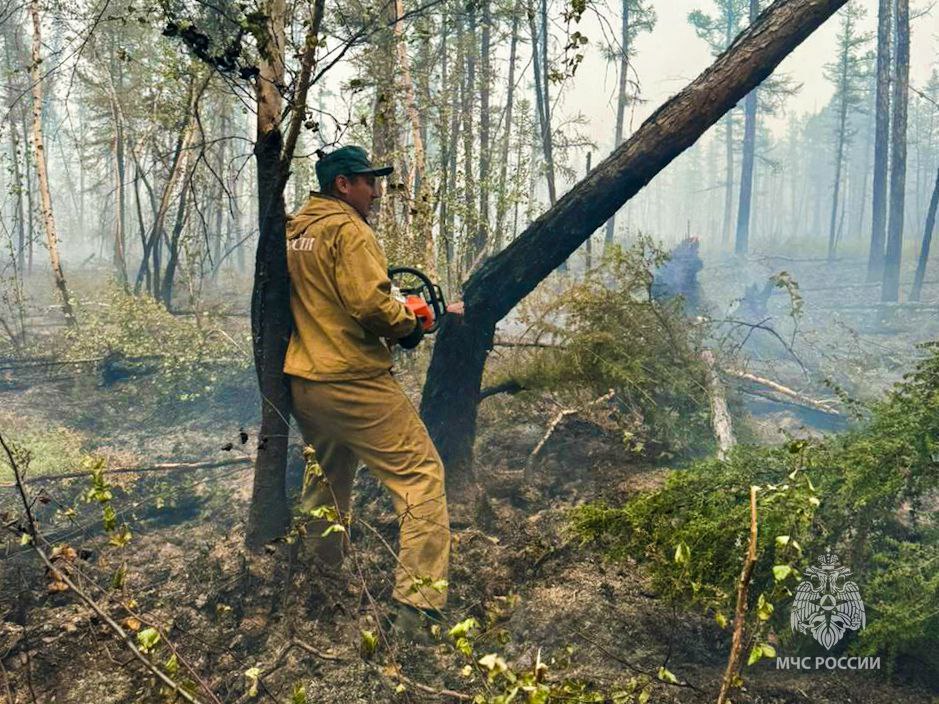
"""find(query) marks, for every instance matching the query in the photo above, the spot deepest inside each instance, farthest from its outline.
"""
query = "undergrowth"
(606, 332)
(134, 336)
(869, 495)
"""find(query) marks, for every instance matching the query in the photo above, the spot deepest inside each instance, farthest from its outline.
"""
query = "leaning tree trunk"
(45, 197)
(875, 262)
(742, 241)
(927, 241)
(890, 291)
(179, 165)
(451, 391)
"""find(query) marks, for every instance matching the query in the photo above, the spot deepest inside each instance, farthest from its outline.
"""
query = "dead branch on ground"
(557, 420)
(801, 399)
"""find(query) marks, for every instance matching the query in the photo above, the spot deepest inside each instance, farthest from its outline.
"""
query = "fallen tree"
(452, 389)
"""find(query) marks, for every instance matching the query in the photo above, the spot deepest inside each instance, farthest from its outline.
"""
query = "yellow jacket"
(340, 295)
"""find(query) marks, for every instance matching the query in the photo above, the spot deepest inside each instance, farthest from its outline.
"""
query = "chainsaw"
(415, 289)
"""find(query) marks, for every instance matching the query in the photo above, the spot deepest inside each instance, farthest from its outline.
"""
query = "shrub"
(611, 334)
(136, 335)
(862, 494)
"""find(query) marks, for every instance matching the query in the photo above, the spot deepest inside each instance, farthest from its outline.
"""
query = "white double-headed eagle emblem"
(827, 609)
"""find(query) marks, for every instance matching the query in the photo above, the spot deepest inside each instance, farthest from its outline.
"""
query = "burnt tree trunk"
(452, 388)
(927, 241)
(875, 262)
(890, 291)
(271, 320)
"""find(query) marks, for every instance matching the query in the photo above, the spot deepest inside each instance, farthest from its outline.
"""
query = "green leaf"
(334, 528)
(147, 639)
(682, 553)
(463, 628)
(109, 517)
(780, 572)
(26, 539)
(759, 651)
(253, 674)
(119, 576)
(782, 541)
(667, 676)
(299, 694)
(368, 643)
(721, 619)
(764, 609)
(121, 537)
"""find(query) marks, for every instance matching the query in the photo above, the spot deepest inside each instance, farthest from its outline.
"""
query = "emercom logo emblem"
(830, 607)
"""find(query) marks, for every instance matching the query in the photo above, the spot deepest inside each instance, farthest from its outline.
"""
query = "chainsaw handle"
(428, 290)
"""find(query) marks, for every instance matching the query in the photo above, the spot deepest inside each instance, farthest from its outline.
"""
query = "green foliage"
(51, 449)
(541, 682)
(864, 494)
(131, 334)
(612, 335)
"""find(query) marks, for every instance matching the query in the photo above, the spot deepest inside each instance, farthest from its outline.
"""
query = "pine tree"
(849, 74)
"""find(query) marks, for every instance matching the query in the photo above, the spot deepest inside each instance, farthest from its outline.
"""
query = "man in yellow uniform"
(348, 406)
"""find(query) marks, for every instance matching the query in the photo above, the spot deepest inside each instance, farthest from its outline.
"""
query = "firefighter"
(347, 404)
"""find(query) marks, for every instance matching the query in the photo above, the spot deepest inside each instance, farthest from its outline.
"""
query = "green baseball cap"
(346, 161)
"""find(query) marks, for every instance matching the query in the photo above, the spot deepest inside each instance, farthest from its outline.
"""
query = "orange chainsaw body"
(421, 309)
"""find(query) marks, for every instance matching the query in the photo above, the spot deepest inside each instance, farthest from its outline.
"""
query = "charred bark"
(890, 291)
(271, 320)
(453, 381)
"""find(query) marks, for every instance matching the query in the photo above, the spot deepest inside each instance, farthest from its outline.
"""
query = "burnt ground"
(515, 568)
(537, 593)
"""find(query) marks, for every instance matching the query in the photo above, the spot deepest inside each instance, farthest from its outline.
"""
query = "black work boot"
(413, 624)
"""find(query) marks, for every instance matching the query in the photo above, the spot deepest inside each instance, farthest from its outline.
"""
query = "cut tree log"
(451, 392)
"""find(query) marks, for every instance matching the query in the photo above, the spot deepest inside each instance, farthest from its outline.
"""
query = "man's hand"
(455, 308)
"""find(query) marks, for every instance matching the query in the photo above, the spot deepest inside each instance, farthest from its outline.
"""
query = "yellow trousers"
(372, 420)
